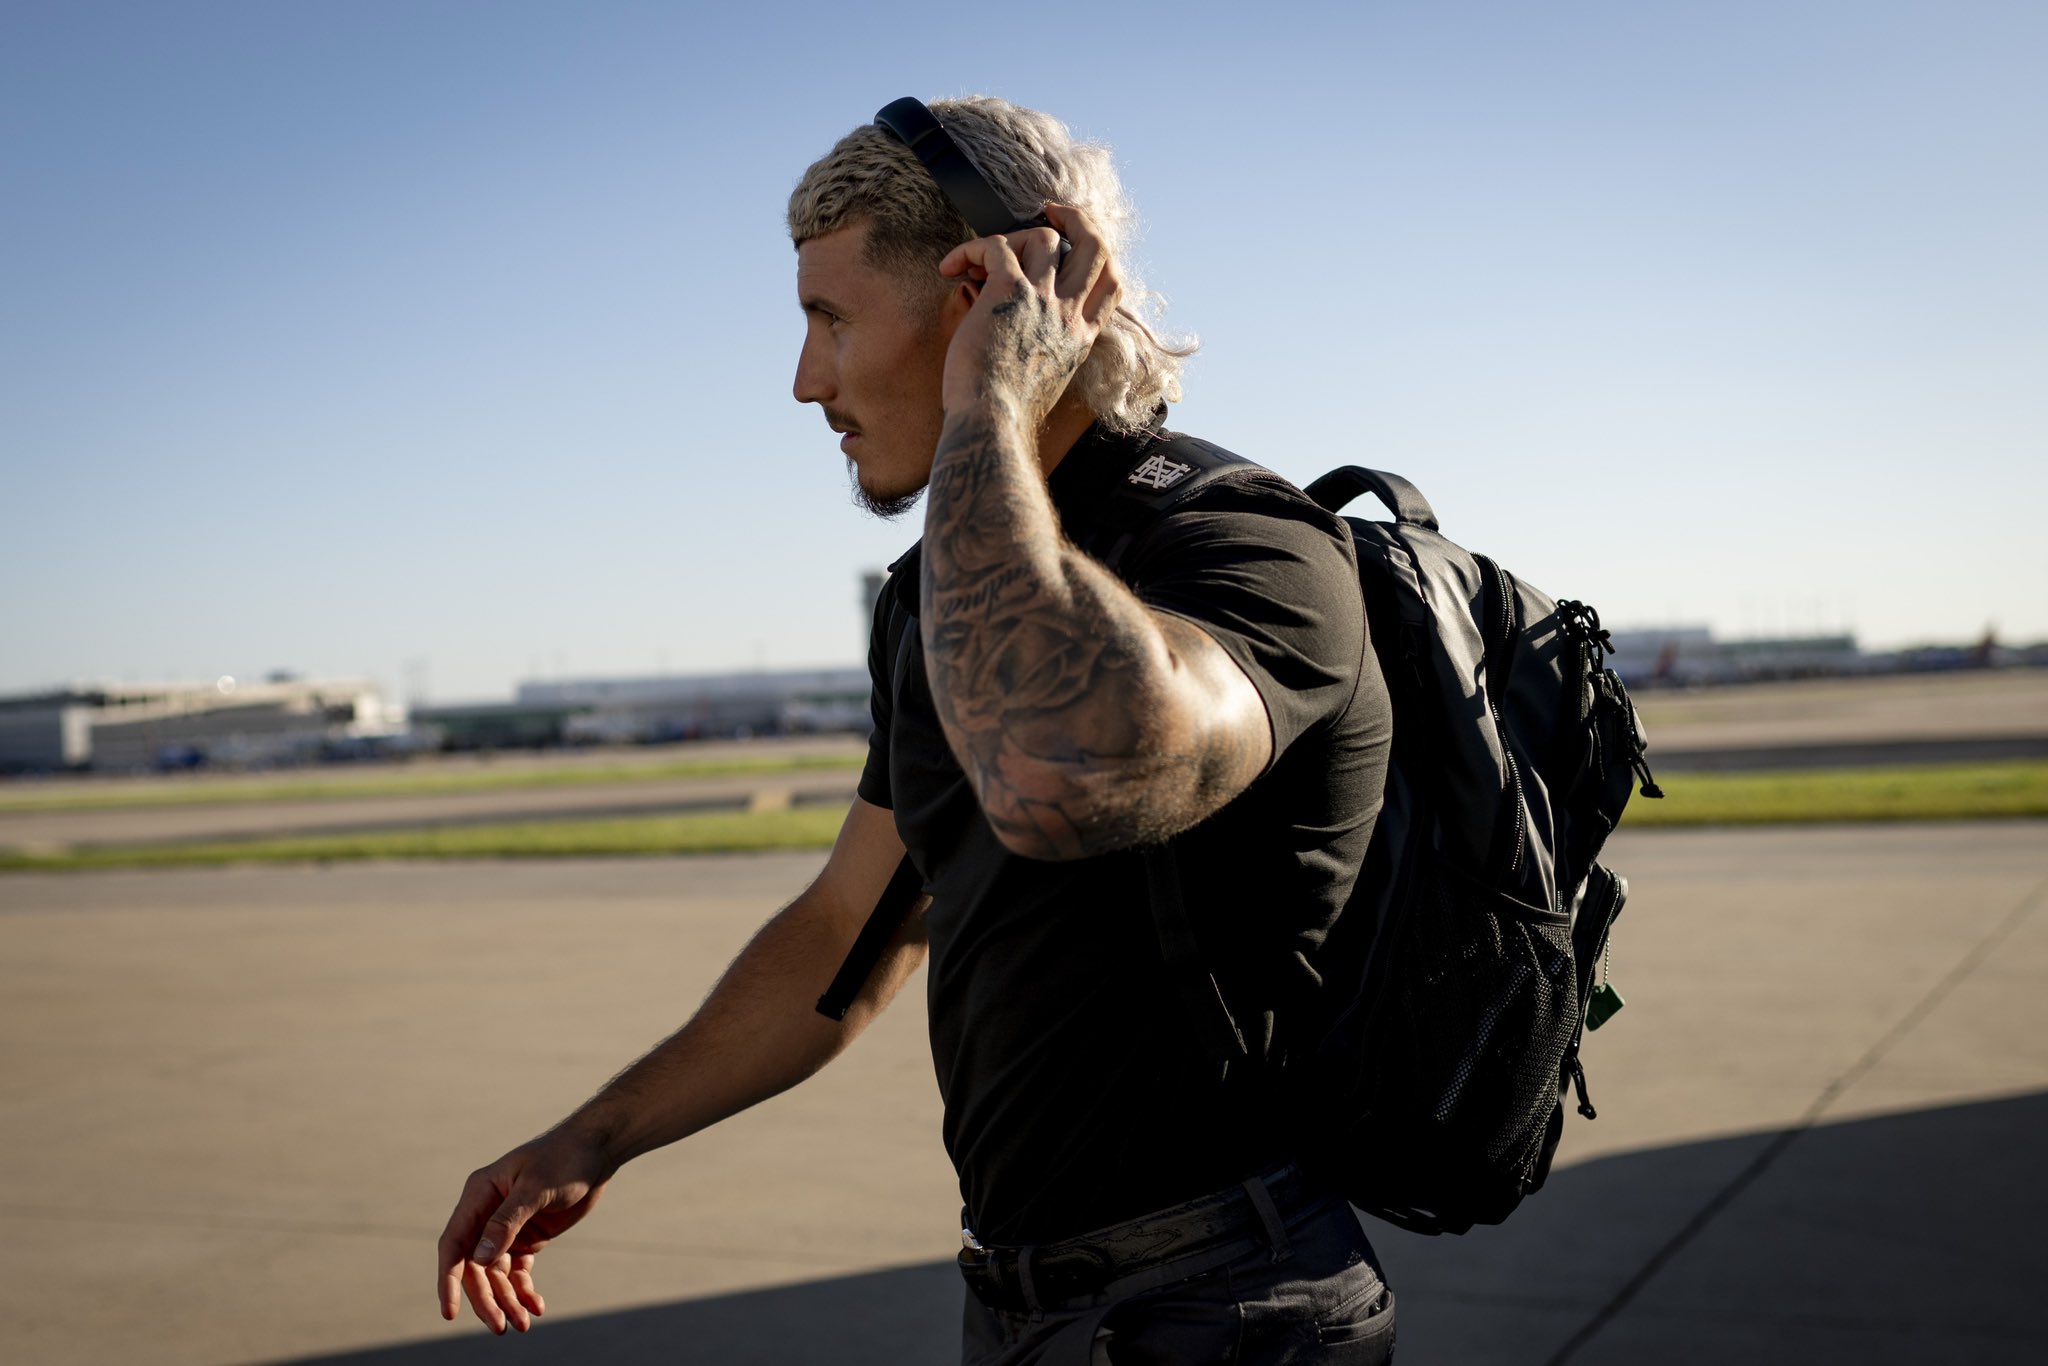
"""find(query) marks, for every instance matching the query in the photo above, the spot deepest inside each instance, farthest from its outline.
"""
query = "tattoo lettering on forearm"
(983, 595)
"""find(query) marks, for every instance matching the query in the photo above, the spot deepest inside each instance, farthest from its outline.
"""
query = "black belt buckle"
(1074, 1273)
(980, 1269)
(1058, 1277)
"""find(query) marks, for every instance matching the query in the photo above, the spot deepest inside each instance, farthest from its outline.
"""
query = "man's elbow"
(1049, 836)
(1120, 812)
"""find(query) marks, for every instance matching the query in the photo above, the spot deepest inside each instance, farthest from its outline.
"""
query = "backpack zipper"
(1503, 599)
(1582, 623)
(1604, 914)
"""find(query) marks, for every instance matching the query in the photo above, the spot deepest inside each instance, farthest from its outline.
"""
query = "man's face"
(872, 359)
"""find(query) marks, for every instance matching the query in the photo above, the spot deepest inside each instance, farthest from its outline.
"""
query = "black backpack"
(1464, 965)
(1515, 750)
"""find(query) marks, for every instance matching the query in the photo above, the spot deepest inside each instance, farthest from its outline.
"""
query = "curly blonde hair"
(870, 177)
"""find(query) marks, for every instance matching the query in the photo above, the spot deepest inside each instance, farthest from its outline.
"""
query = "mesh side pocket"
(1484, 1004)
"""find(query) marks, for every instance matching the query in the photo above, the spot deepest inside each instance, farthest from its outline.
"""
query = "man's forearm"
(756, 1035)
(1049, 676)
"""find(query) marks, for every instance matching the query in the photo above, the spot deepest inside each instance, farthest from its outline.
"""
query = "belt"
(1212, 1229)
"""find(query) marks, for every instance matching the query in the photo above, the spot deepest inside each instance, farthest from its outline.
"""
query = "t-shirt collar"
(1098, 459)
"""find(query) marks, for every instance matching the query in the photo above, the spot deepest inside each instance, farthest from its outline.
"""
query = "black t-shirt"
(1076, 1091)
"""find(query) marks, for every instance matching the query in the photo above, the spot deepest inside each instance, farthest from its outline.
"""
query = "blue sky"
(450, 343)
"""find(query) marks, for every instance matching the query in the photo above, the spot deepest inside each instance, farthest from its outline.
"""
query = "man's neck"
(1069, 419)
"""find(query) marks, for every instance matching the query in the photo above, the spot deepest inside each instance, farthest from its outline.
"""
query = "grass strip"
(1923, 792)
(402, 783)
(715, 832)
(2018, 788)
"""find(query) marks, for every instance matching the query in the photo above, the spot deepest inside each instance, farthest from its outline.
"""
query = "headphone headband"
(963, 183)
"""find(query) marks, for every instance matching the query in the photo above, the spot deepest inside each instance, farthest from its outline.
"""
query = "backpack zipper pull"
(1579, 1084)
(1636, 759)
(1642, 770)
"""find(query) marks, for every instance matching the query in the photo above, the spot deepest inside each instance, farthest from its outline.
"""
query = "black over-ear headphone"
(917, 128)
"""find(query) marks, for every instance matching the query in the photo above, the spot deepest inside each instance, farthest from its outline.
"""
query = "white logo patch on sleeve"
(1160, 473)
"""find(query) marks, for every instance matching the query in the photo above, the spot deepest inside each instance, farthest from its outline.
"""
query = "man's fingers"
(1081, 273)
(448, 1283)
(499, 1275)
(1102, 296)
(458, 1238)
(449, 1287)
(500, 1230)
(983, 259)
(501, 1291)
(482, 1300)
(522, 1285)
(1038, 256)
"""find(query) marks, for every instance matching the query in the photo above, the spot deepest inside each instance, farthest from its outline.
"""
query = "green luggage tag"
(1606, 1001)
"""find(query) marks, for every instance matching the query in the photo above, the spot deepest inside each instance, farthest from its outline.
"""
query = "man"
(1039, 723)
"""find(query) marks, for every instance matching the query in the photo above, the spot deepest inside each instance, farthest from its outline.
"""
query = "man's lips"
(849, 435)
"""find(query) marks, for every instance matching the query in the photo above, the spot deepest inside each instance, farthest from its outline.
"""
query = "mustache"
(840, 421)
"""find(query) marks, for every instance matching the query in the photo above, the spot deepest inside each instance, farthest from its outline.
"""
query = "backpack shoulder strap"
(906, 884)
(1221, 1039)
(891, 910)
(1166, 471)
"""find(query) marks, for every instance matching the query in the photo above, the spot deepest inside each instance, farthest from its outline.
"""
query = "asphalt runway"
(237, 1104)
(1963, 705)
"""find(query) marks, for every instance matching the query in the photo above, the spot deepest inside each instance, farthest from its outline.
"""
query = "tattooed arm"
(1085, 721)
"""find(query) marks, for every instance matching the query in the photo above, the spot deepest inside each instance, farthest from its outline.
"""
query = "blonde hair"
(869, 177)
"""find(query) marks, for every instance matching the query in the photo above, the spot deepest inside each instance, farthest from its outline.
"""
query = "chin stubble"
(888, 509)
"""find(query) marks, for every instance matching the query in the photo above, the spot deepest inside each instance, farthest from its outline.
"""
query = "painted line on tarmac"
(766, 798)
(1972, 959)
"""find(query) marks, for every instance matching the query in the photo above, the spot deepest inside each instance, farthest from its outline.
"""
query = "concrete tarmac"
(1964, 705)
(236, 1106)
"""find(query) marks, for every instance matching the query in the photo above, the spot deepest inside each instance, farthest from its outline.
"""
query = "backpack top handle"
(1403, 499)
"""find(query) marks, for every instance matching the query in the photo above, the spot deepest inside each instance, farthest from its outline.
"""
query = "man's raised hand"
(1036, 315)
(509, 1211)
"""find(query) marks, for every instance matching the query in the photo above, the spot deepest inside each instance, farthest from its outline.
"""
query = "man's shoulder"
(1180, 478)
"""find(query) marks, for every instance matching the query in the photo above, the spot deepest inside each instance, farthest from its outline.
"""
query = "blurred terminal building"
(288, 720)
(122, 728)
(654, 710)
(661, 708)
(126, 728)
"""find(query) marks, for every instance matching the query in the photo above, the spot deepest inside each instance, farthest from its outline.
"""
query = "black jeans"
(1323, 1301)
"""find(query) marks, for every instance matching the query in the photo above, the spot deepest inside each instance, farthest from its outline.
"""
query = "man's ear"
(959, 301)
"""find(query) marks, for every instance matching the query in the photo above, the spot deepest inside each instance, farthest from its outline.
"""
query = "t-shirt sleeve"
(874, 775)
(1272, 579)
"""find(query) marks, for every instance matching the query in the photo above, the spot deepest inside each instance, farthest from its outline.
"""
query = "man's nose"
(813, 377)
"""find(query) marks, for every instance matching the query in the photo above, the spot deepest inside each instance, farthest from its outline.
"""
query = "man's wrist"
(606, 1132)
(985, 412)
